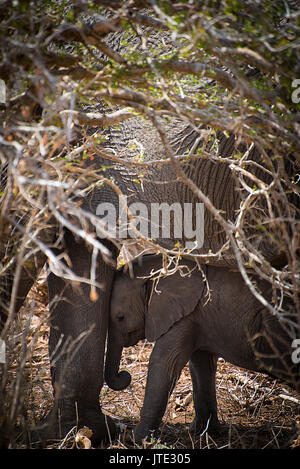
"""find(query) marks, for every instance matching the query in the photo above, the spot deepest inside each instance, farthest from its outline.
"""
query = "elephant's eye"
(120, 318)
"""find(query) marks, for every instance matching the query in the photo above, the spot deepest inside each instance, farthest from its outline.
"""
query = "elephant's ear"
(178, 297)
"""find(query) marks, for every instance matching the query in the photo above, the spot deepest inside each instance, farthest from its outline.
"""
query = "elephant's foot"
(143, 431)
(55, 428)
(201, 425)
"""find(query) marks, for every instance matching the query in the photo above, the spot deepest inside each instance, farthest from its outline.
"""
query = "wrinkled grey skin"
(231, 325)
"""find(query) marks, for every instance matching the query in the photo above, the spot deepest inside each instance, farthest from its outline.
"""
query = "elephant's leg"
(170, 354)
(203, 372)
(77, 341)
(13, 296)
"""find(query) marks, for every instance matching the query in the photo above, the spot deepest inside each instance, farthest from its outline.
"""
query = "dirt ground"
(255, 411)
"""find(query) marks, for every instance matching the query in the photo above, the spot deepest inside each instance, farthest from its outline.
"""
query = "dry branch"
(95, 119)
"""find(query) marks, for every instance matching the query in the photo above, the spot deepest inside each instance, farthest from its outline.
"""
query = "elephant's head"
(140, 309)
(128, 308)
(126, 325)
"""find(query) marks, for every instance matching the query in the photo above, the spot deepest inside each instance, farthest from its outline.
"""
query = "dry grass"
(256, 411)
(251, 407)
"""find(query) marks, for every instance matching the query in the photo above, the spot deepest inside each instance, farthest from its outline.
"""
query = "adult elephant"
(79, 325)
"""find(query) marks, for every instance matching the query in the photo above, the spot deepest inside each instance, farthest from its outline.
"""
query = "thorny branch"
(73, 76)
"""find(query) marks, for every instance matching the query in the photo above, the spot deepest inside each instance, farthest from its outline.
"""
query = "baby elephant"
(188, 328)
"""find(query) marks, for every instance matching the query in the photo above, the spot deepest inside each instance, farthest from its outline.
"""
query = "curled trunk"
(115, 380)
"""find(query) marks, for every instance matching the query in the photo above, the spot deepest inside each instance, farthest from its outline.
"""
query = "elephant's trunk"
(115, 380)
